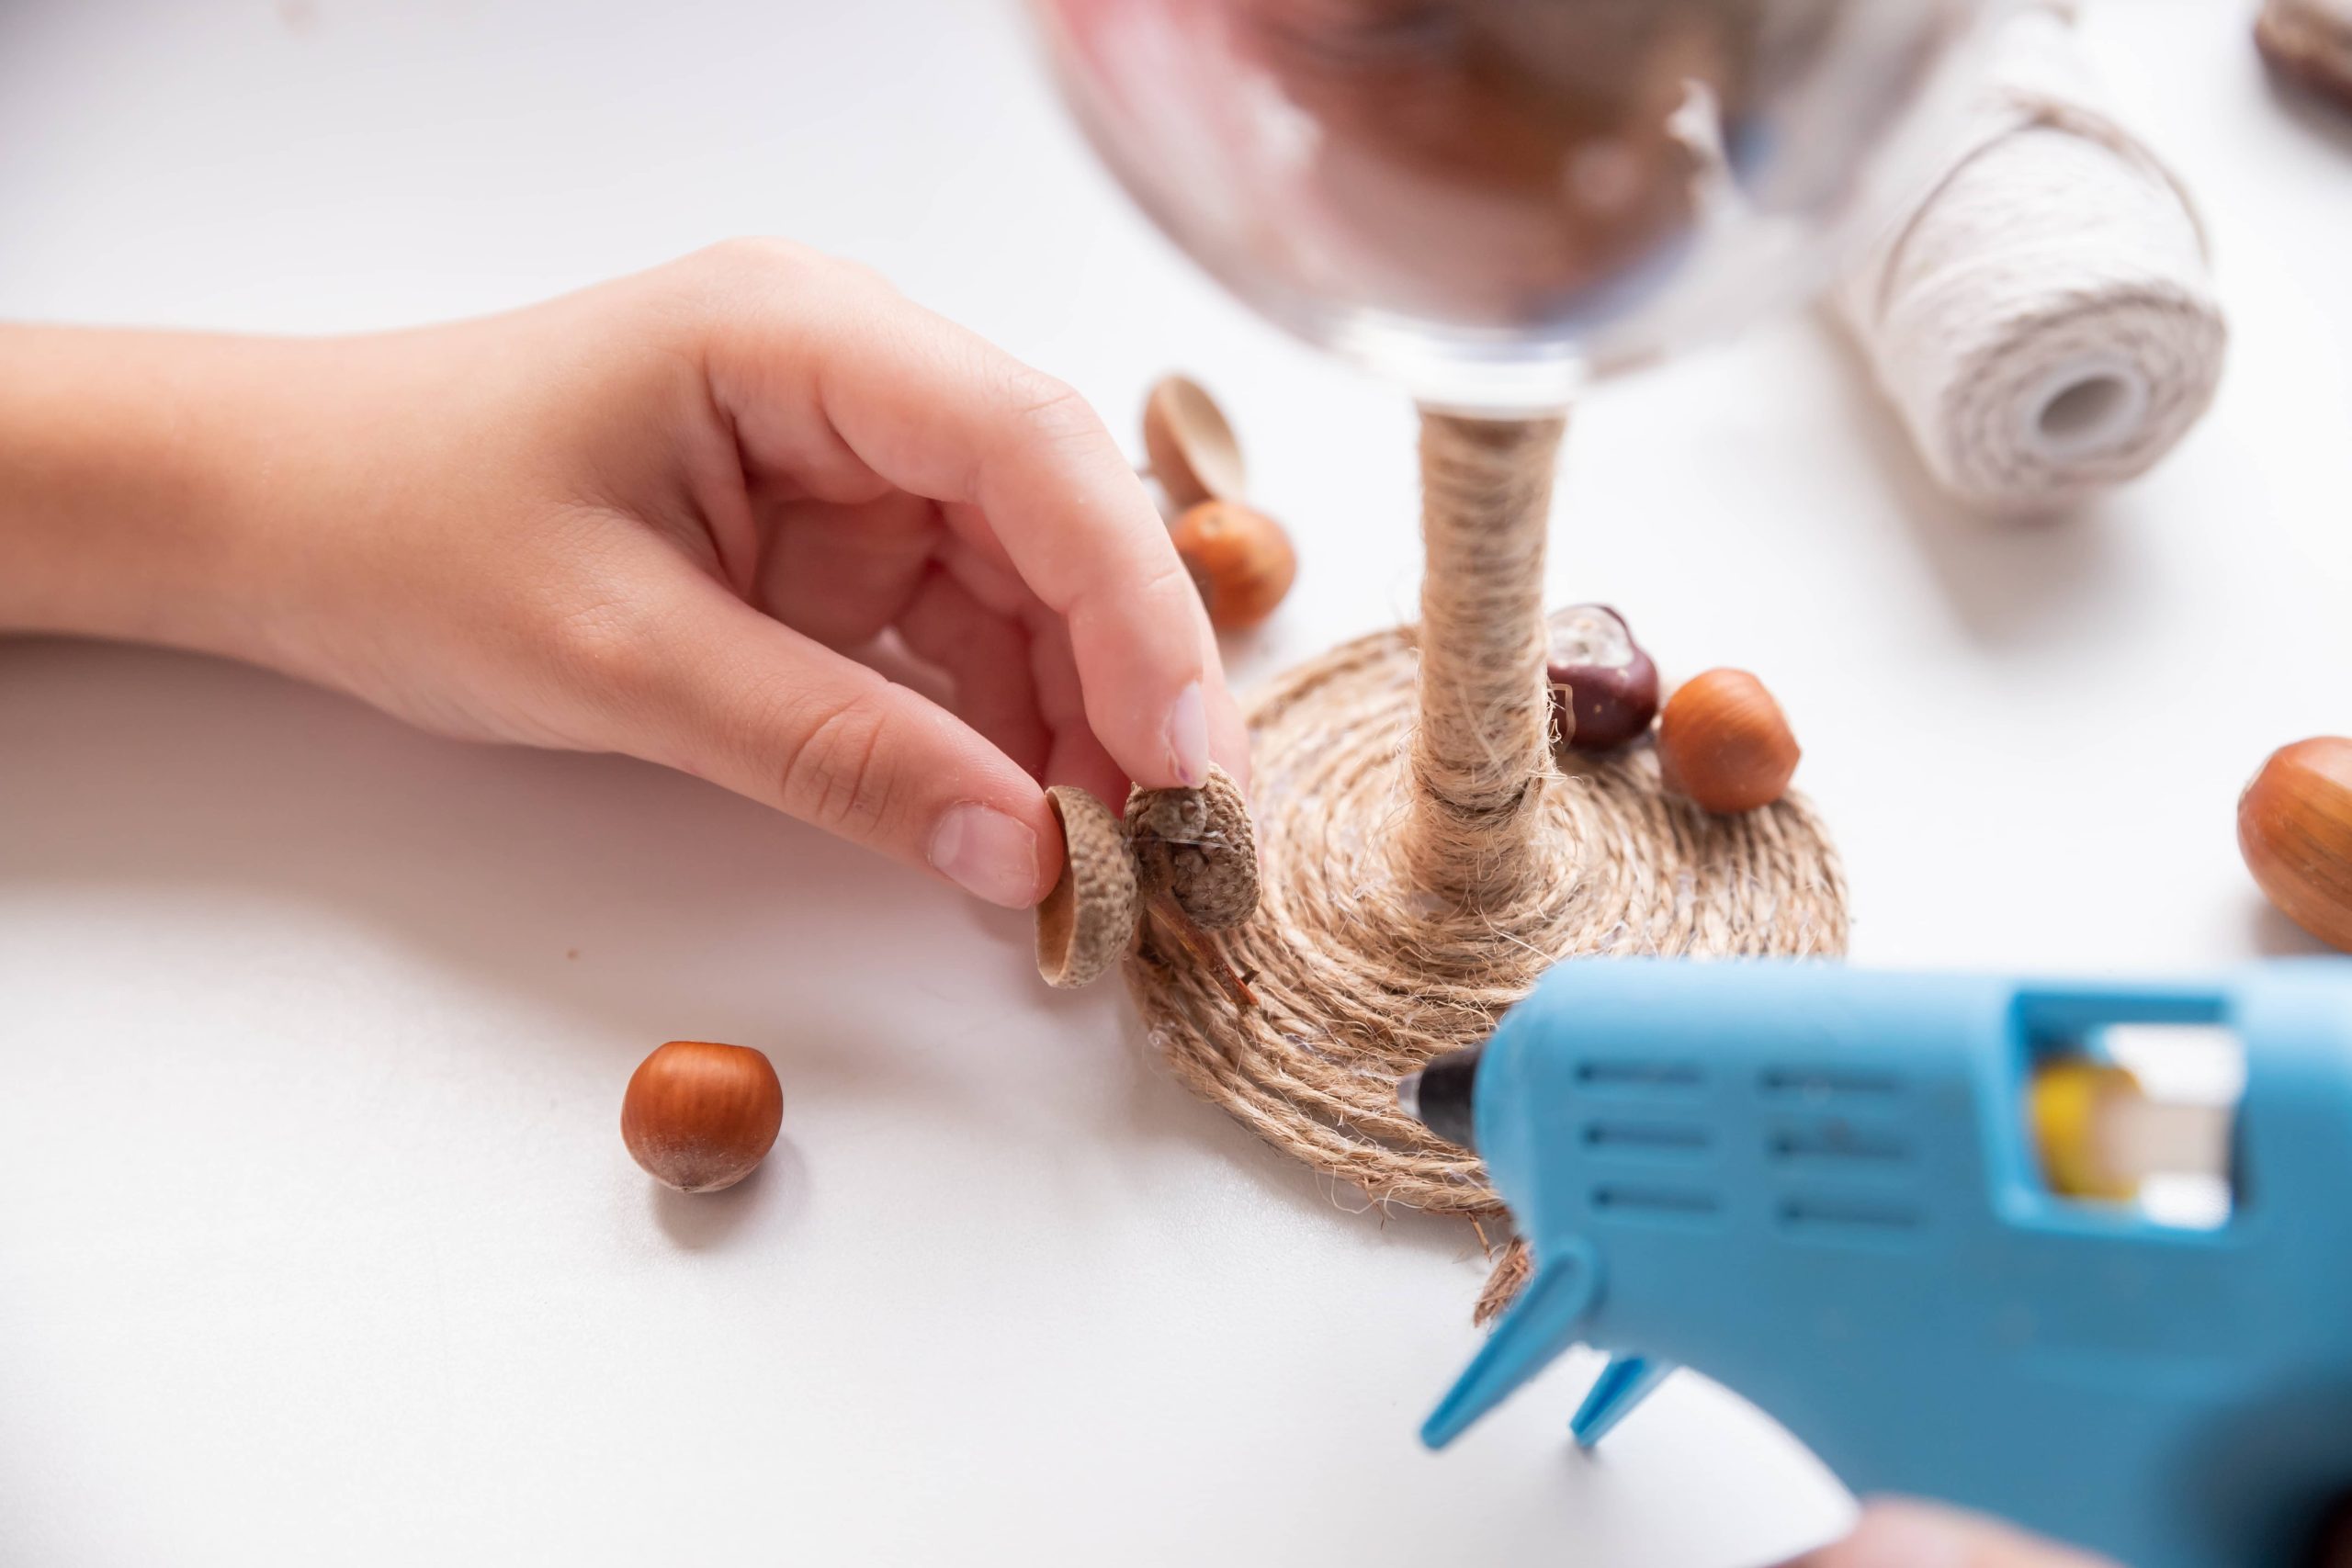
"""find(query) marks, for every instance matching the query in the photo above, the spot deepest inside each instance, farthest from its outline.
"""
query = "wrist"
(137, 499)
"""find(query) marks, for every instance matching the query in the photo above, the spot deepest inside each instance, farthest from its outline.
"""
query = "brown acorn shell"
(1089, 919)
(1195, 454)
(1198, 846)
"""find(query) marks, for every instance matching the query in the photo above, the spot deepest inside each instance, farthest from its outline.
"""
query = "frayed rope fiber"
(1425, 856)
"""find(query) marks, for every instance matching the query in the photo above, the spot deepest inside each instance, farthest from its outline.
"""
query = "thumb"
(721, 690)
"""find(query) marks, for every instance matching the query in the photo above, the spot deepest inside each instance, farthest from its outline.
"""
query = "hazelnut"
(1195, 455)
(1604, 688)
(1724, 744)
(1240, 560)
(700, 1116)
(2308, 42)
(2295, 832)
(1089, 918)
(1198, 846)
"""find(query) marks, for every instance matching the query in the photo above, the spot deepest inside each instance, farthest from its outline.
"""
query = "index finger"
(840, 380)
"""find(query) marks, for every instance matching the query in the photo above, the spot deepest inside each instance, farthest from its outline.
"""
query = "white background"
(317, 1240)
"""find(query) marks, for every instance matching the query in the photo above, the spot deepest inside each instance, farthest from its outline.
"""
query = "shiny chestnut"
(1604, 688)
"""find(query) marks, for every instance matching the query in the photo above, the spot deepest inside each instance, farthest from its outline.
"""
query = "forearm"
(145, 482)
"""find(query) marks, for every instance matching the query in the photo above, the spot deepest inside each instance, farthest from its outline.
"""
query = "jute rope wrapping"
(2044, 321)
(1425, 856)
(1478, 755)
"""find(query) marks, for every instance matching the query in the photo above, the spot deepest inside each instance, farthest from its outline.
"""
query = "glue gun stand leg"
(1624, 1383)
(1540, 1325)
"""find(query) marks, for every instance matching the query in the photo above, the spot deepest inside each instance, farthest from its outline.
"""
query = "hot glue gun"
(1915, 1218)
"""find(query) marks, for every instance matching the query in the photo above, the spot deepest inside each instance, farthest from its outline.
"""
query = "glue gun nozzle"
(1441, 1096)
(1408, 1095)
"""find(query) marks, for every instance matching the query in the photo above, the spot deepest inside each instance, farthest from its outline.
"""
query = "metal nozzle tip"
(1408, 1095)
(1439, 1097)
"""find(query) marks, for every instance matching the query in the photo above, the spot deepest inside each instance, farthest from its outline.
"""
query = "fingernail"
(1188, 736)
(986, 853)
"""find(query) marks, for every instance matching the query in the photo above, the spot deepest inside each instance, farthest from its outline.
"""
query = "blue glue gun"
(1895, 1212)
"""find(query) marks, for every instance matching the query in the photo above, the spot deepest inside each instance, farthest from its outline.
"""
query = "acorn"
(1089, 918)
(2295, 832)
(699, 1116)
(1198, 846)
(1195, 454)
(1724, 744)
(1240, 560)
(1604, 688)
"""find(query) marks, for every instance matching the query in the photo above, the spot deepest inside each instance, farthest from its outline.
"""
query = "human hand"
(1899, 1533)
(653, 517)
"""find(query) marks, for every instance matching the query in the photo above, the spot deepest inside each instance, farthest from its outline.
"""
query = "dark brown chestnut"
(1604, 688)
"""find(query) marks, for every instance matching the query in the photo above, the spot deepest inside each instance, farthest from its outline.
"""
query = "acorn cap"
(1198, 846)
(1089, 919)
(1195, 454)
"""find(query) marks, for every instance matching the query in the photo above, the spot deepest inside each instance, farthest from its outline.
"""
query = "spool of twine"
(2043, 321)
(1425, 856)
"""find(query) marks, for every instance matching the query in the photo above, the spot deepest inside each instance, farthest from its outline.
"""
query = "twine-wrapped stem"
(1354, 979)
(1481, 748)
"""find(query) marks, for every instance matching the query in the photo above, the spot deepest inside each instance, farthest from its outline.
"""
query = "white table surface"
(317, 1240)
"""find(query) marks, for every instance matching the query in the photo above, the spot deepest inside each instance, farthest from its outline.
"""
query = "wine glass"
(1489, 200)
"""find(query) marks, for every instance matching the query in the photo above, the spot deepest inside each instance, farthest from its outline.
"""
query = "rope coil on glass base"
(1425, 857)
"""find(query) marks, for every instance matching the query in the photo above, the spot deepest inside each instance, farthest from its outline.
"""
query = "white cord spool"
(2043, 319)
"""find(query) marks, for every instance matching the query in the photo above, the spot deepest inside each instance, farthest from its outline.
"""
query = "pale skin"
(657, 518)
(1900, 1533)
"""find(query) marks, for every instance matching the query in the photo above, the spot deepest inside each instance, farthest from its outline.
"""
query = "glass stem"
(1481, 748)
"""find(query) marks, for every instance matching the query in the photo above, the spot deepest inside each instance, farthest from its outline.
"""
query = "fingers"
(987, 656)
(1078, 758)
(1900, 1533)
(841, 572)
(832, 379)
(692, 677)
(1228, 732)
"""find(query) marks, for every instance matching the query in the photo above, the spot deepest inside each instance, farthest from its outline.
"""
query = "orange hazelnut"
(1241, 562)
(1723, 742)
(699, 1116)
(2309, 42)
(2295, 832)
